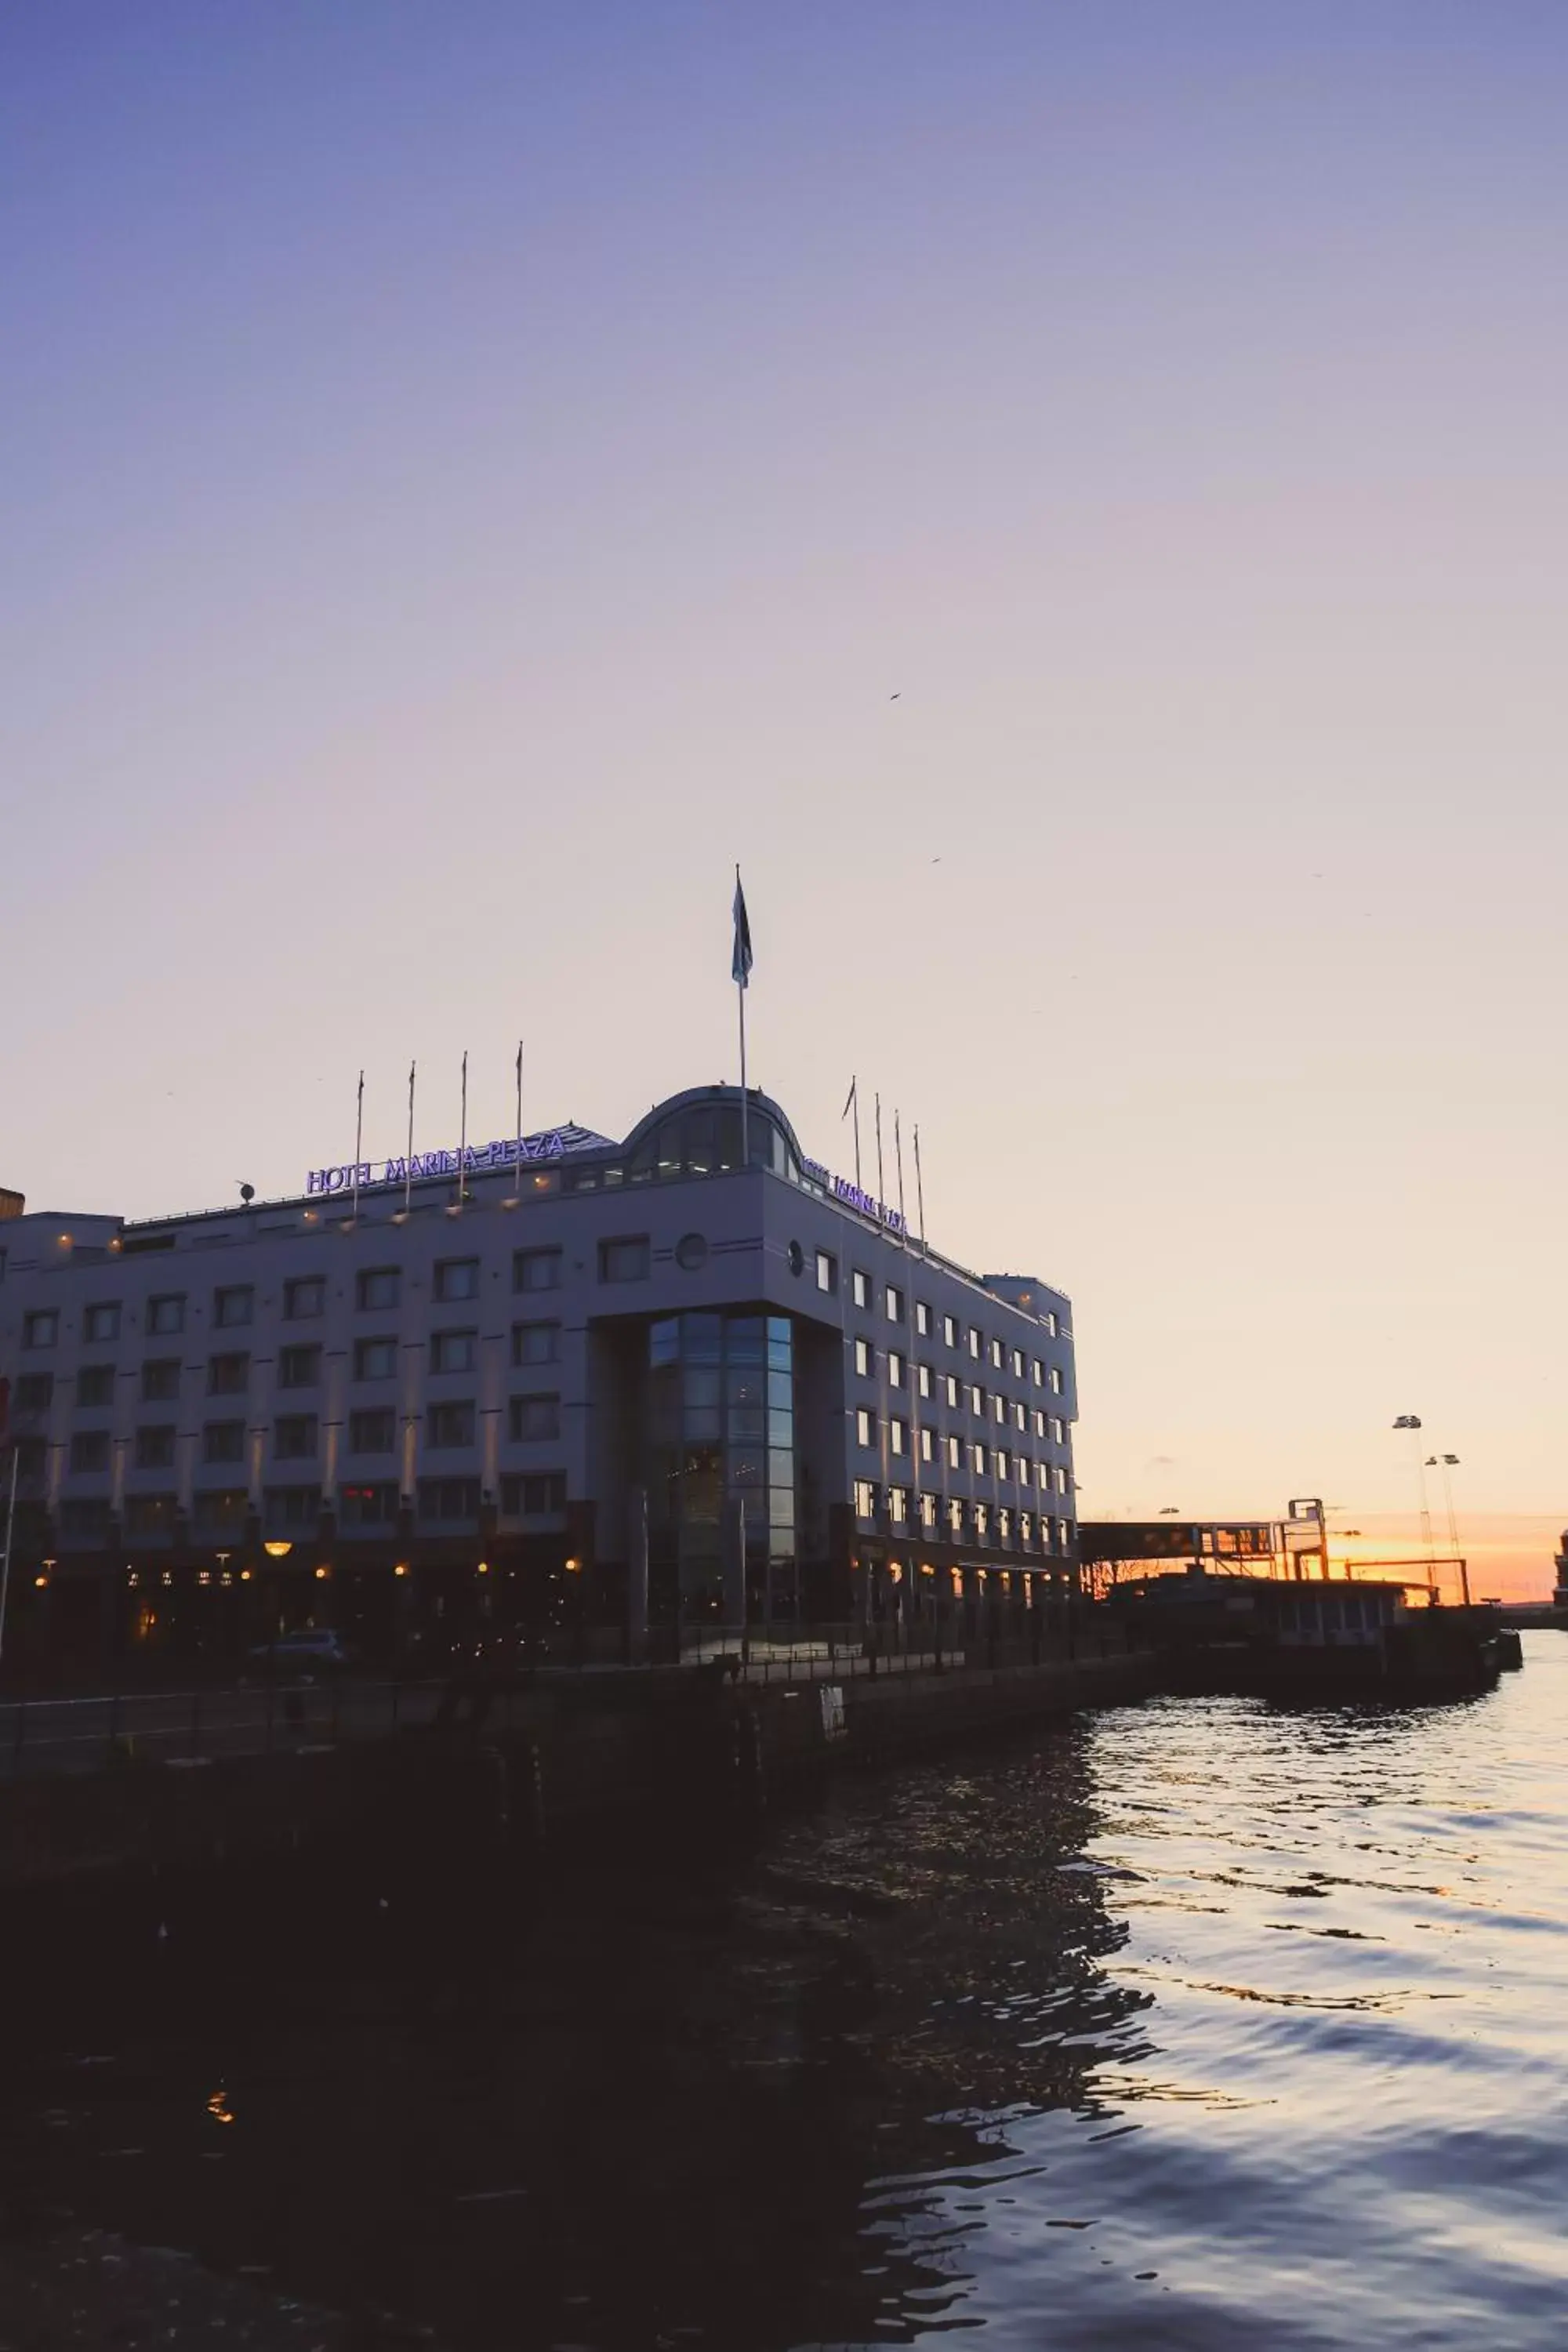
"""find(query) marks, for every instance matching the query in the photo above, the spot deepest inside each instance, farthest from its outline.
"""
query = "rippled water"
(1190, 2025)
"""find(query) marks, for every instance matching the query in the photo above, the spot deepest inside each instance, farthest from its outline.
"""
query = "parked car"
(313, 1649)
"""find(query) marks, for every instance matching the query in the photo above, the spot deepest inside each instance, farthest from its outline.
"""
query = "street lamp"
(1446, 1462)
(1412, 1422)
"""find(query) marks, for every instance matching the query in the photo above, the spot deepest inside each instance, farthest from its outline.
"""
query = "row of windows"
(957, 1454)
(895, 1307)
(296, 1437)
(928, 1383)
(223, 1510)
(376, 1289)
(954, 1517)
(298, 1367)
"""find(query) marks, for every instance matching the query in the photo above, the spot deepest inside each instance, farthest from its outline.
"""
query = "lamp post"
(1412, 1422)
(1446, 1462)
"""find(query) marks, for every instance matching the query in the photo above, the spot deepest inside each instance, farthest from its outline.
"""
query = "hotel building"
(566, 1366)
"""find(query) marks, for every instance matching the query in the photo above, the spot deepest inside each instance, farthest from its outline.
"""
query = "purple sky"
(471, 472)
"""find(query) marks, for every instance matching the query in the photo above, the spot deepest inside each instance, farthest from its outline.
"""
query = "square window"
(94, 1387)
(101, 1322)
(449, 1498)
(165, 1316)
(451, 1424)
(456, 1277)
(223, 1441)
(922, 1318)
(893, 1302)
(860, 1288)
(85, 1517)
(535, 1417)
(626, 1260)
(305, 1297)
(293, 1506)
(369, 1507)
(35, 1391)
(536, 1269)
(155, 1448)
(298, 1368)
(160, 1380)
(373, 1430)
(454, 1351)
(378, 1287)
(234, 1306)
(294, 1437)
(90, 1452)
(228, 1375)
(865, 1426)
(826, 1273)
(376, 1360)
(895, 1369)
(865, 1363)
(536, 1343)
(40, 1329)
(537, 1494)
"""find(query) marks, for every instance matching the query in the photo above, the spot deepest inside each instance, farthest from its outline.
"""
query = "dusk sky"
(472, 472)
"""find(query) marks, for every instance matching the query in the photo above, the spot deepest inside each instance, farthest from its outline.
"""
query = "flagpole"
(10, 1525)
(877, 1098)
(408, 1163)
(359, 1139)
(745, 1139)
(899, 1164)
(919, 1192)
(740, 967)
(463, 1136)
(517, 1186)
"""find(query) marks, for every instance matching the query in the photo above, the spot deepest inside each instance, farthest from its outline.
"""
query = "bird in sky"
(895, 698)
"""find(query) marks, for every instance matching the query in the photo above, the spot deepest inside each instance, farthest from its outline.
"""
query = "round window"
(797, 1257)
(691, 1252)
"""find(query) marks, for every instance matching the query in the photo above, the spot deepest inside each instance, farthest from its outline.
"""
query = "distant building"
(491, 1373)
(11, 1205)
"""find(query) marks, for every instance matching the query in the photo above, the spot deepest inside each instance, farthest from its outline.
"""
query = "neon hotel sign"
(474, 1160)
(852, 1196)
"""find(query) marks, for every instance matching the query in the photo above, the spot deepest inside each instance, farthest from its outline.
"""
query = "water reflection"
(1192, 2025)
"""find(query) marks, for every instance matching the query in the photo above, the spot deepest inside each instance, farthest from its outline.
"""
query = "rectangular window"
(298, 1368)
(94, 1387)
(625, 1261)
(1045, 1477)
(1058, 1431)
(40, 1329)
(977, 1460)
(1024, 1470)
(1039, 1419)
(893, 1304)
(451, 1424)
(35, 1391)
(928, 1513)
(898, 1506)
(895, 1369)
(101, 1322)
(379, 1286)
(999, 1411)
(536, 1269)
(928, 1445)
(161, 1380)
(449, 1498)
(997, 1353)
(826, 1273)
(234, 1306)
(294, 1437)
(456, 1277)
(294, 1508)
(535, 1494)
(1051, 1326)
(897, 1439)
(31, 1457)
(155, 1448)
(373, 1430)
(954, 1388)
(1056, 1381)
(228, 1375)
(1018, 1363)
(305, 1297)
(981, 1520)
(454, 1351)
(223, 1441)
(925, 1379)
(150, 1515)
(369, 1507)
(164, 1316)
(85, 1517)
(536, 1343)
(1036, 1371)
(865, 1426)
(90, 1452)
(922, 1319)
(949, 1331)
(865, 1499)
(1020, 1417)
(954, 1454)
(956, 1516)
(860, 1288)
(865, 1363)
(1002, 1468)
(376, 1360)
(976, 1401)
(535, 1417)
(1061, 1479)
(975, 1343)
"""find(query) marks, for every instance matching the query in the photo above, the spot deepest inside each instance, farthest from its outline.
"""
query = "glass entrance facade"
(720, 1433)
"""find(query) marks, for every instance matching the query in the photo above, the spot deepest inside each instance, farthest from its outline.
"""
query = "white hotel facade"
(450, 1391)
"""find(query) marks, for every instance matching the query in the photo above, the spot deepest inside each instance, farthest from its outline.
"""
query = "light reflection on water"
(1189, 2026)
